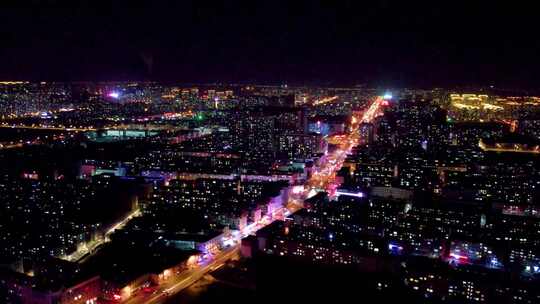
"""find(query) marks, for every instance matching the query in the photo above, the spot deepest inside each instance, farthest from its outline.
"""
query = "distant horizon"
(290, 85)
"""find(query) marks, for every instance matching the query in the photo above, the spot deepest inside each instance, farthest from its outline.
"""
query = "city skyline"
(421, 194)
(273, 151)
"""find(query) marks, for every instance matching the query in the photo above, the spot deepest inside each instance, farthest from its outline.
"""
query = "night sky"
(298, 42)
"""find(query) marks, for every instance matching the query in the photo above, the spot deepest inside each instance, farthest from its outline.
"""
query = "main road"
(323, 178)
(185, 279)
(44, 127)
(85, 250)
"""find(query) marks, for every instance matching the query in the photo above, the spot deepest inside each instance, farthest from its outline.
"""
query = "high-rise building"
(366, 133)
(211, 94)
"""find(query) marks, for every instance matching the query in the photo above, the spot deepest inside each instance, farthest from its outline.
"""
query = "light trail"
(123, 222)
(84, 250)
(324, 177)
(184, 280)
(52, 128)
(324, 100)
(373, 111)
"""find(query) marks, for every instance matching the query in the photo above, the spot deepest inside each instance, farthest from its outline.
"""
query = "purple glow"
(45, 114)
(114, 95)
(395, 247)
(359, 194)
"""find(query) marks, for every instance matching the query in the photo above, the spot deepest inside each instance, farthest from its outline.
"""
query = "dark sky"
(326, 42)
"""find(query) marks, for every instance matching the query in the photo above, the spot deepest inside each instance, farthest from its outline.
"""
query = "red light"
(148, 289)
(117, 297)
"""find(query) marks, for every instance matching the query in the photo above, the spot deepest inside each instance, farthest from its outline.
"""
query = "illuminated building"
(373, 174)
(299, 146)
(52, 281)
(211, 94)
(517, 147)
(367, 133)
(418, 204)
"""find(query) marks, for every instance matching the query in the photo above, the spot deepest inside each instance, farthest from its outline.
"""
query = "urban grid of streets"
(323, 178)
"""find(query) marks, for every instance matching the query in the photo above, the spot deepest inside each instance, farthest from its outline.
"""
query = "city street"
(323, 177)
(203, 152)
(185, 279)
